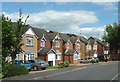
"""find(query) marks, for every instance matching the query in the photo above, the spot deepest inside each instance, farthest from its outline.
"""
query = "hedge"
(16, 70)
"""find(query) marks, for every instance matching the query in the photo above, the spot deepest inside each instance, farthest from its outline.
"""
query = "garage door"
(51, 57)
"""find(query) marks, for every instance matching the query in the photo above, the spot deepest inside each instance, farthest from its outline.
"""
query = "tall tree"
(112, 36)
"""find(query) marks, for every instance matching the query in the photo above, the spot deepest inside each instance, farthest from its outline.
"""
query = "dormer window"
(57, 44)
(42, 43)
(68, 45)
(78, 46)
(29, 41)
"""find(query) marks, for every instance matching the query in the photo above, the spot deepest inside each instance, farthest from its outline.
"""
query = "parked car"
(103, 58)
(38, 64)
(86, 60)
(22, 62)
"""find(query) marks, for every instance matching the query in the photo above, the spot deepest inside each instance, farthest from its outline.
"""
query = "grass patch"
(54, 67)
(57, 67)
(72, 65)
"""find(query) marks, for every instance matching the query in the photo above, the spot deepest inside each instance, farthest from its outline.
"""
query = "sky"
(81, 18)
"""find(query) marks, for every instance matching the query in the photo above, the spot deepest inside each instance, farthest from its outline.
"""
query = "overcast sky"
(87, 18)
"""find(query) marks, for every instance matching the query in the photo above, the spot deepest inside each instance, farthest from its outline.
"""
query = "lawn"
(54, 67)
(57, 67)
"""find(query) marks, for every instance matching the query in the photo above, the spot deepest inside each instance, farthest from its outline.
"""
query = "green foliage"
(92, 61)
(37, 58)
(5, 67)
(112, 36)
(64, 64)
(11, 39)
(16, 70)
(97, 60)
(71, 35)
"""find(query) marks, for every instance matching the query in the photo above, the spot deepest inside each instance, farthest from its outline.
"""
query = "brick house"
(95, 47)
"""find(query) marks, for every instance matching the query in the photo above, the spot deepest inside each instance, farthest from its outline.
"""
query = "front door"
(51, 57)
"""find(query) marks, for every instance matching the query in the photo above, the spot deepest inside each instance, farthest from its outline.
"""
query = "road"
(101, 71)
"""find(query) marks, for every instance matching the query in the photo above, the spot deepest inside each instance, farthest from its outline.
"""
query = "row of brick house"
(57, 47)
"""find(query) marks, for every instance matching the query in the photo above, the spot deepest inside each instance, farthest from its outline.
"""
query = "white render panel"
(30, 31)
(51, 57)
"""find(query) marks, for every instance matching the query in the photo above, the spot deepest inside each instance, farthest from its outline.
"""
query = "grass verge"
(57, 67)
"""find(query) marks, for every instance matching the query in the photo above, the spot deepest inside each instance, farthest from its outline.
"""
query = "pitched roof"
(83, 39)
(71, 51)
(73, 39)
(44, 50)
(92, 41)
(63, 36)
(39, 32)
(90, 52)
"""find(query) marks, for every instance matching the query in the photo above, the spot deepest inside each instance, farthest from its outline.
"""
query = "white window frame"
(29, 43)
(78, 46)
(79, 55)
(17, 56)
(42, 43)
(58, 56)
(88, 47)
(75, 57)
(32, 57)
(68, 45)
(57, 44)
(95, 47)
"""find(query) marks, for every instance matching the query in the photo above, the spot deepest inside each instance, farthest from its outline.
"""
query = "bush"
(93, 61)
(37, 58)
(97, 60)
(67, 64)
(5, 67)
(64, 64)
(16, 70)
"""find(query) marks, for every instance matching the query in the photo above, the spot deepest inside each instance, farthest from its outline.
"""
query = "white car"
(86, 60)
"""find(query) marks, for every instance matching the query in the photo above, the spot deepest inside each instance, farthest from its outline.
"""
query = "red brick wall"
(61, 45)
(67, 58)
(114, 57)
(100, 49)
(47, 44)
(79, 50)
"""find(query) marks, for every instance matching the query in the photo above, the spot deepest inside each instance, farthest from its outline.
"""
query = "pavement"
(100, 71)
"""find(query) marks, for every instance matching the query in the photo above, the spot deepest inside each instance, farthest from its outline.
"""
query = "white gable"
(30, 31)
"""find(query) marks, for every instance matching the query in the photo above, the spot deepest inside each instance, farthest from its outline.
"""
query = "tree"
(19, 29)
(112, 36)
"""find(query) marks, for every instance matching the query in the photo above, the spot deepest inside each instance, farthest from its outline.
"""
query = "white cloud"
(58, 21)
(92, 31)
(107, 5)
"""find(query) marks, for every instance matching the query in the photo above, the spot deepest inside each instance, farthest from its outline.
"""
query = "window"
(57, 45)
(78, 46)
(18, 57)
(95, 47)
(68, 45)
(31, 56)
(58, 57)
(79, 55)
(75, 56)
(88, 47)
(29, 41)
(42, 43)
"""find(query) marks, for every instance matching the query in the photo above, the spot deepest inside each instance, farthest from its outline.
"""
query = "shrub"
(64, 64)
(92, 61)
(5, 68)
(16, 70)
(37, 58)
(97, 60)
